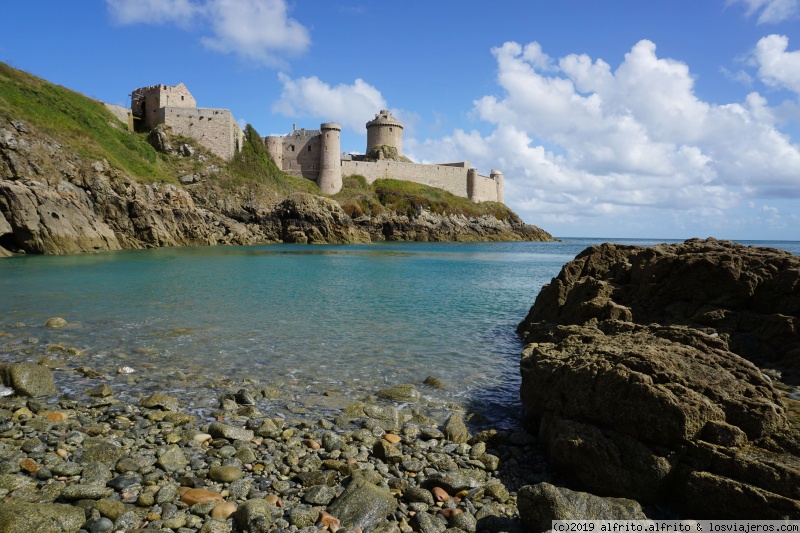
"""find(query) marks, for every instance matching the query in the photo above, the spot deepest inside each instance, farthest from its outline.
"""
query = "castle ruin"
(311, 154)
(174, 106)
(316, 155)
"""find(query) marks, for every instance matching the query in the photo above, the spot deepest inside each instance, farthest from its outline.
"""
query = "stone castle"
(215, 129)
(311, 154)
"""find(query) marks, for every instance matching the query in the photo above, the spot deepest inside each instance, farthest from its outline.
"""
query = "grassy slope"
(86, 127)
(79, 123)
(358, 198)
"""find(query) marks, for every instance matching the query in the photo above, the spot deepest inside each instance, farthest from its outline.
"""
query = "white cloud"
(771, 11)
(349, 105)
(257, 30)
(776, 66)
(180, 12)
(578, 141)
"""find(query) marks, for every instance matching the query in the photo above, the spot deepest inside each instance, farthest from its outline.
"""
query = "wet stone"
(224, 431)
(125, 481)
(319, 495)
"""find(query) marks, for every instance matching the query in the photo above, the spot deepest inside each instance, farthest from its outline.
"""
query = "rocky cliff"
(53, 201)
(641, 379)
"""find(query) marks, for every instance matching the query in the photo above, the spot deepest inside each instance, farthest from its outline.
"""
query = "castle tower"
(472, 184)
(330, 164)
(274, 145)
(385, 130)
(499, 179)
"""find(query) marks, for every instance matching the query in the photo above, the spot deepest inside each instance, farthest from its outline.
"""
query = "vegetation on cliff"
(79, 124)
(159, 189)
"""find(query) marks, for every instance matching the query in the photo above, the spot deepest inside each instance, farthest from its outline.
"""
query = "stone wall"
(124, 114)
(485, 189)
(215, 129)
(301, 153)
(451, 177)
(147, 101)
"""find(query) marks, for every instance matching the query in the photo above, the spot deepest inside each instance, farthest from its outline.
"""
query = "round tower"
(472, 184)
(385, 130)
(275, 149)
(499, 181)
(330, 163)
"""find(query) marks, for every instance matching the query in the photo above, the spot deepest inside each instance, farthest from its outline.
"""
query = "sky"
(664, 119)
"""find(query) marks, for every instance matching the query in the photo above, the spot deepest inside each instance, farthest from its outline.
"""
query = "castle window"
(291, 148)
(181, 98)
(390, 128)
(309, 147)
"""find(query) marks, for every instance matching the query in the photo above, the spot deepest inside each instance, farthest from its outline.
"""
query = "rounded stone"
(55, 323)
(225, 474)
(223, 510)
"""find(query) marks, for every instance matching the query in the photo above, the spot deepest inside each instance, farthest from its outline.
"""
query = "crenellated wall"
(215, 129)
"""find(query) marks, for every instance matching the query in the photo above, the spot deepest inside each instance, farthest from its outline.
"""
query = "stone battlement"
(174, 106)
(316, 155)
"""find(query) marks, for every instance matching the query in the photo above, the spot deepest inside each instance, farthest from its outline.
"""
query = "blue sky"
(624, 118)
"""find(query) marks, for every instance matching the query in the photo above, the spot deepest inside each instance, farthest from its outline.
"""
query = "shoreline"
(128, 464)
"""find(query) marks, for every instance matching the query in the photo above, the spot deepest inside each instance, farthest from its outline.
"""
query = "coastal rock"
(27, 379)
(363, 505)
(540, 504)
(253, 513)
(40, 517)
(224, 431)
(399, 393)
(308, 219)
(635, 392)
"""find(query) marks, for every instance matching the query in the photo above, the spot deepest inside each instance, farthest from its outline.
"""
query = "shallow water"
(305, 319)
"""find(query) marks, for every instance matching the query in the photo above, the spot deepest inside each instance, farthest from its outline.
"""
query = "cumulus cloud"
(350, 105)
(258, 30)
(578, 140)
(776, 66)
(770, 11)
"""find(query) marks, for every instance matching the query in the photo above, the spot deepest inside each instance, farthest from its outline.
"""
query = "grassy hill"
(84, 126)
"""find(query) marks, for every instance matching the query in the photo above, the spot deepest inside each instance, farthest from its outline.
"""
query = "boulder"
(40, 517)
(639, 375)
(27, 379)
(540, 504)
(363, 505)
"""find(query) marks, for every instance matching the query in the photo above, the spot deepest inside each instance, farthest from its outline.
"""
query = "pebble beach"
(109, 455)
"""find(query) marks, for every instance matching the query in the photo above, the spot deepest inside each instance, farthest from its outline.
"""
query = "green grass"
(86, 127)
(253, 165)
(78, 123)
(358, 198)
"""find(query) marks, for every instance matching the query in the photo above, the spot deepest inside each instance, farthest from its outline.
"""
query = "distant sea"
(344, 320)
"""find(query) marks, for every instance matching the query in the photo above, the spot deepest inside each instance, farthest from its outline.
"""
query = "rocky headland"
(667, 375)
(55, 201)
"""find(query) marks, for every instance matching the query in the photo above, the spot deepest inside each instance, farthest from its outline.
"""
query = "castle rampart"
(174, 106)
(314, 154)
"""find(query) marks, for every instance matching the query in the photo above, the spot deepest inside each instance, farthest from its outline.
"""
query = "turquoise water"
(305, 319)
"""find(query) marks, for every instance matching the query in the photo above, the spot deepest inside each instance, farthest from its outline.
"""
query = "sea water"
(341, 320)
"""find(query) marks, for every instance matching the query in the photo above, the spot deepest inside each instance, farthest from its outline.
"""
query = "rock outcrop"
(639, 376)
(54, 202)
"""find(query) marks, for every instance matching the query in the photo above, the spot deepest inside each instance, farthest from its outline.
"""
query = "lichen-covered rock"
(636, 392)
(40, 517)
(27, 379)
(363, 505)
(540, 504)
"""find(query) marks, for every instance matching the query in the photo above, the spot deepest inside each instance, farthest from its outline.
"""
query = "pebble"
(225, 474)
(123, 461)
(193, 496)
(223, 510)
